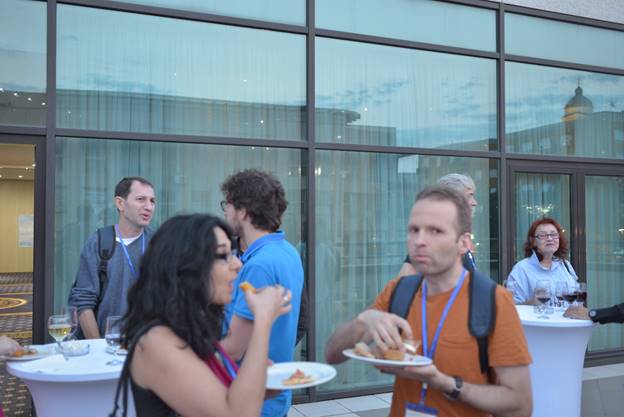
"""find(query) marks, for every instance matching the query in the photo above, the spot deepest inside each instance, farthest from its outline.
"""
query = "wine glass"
(542, 294)
(570, 294)
(59, 327)
(559, 292)
(113, 337)
(72, 314)
(582, 293)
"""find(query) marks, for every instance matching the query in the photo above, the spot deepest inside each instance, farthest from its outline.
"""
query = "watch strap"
(454, 394)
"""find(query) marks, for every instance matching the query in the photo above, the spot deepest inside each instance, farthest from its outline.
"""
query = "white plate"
(408, 360)
(277, 373)
(42, 352)
(120, 352)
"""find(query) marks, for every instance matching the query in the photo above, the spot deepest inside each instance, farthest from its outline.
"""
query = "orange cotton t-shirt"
(457, 353)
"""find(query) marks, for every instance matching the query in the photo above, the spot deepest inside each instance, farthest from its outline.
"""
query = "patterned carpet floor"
(15, 322)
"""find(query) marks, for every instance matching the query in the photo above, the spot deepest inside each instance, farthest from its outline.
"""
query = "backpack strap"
(106, 249)
(403, 294)
(481, 313)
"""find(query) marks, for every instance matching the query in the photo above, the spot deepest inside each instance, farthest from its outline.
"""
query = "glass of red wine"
(559, 291)
(543, 294)
(582, 293)
(571, 294)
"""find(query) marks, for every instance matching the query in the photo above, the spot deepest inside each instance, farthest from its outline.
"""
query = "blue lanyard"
(429, 351)
(125, 249)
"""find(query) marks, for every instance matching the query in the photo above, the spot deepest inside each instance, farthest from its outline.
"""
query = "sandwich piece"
(246, 286)
(23, 352)
(411, 346)
(298, 378)
(393, 355)
(362, 349)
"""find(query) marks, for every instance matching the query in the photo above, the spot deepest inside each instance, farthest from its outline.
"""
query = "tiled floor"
(603, 396)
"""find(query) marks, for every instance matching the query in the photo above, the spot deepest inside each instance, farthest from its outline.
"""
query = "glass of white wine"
(72, 314)
(59, 326)
(113, 337)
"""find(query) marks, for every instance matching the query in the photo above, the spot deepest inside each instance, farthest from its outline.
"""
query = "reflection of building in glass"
(581, 132)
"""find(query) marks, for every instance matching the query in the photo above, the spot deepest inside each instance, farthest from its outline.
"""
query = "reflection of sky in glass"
(432, 99)
(417, 20)
(125, 52)
(285, 11)
(532, 36)
(536, 95)
(23, 45)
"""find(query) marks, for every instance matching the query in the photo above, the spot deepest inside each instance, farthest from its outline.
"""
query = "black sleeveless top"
(147, 404)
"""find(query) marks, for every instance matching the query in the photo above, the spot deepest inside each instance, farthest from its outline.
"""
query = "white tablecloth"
(82, 386)
(557, 346)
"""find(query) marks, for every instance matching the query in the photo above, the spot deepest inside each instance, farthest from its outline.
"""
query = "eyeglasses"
(544, 236)
(227, 257)
(223, 204)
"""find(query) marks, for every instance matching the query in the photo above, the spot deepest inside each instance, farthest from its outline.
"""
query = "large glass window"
(556, 111)
(186, 178)
(604, 233)
(381, 95)
(22, 62)
(362, 207)
(550, 39)
(283, 11)
(415, 20)
(161, 75)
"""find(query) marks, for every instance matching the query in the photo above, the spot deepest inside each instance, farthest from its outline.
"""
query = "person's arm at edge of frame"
(614, 314)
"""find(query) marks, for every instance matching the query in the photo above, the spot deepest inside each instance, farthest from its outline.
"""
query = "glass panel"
(160, 75)
(561, 41)
(540, 195)
(604, 232)
(415, 20)
(186, 178)
(557, 111)
(22, 62)
(381, 95)
(362, 207)
(282, 11)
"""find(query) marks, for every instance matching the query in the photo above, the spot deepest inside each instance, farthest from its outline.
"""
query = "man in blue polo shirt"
(253, 206)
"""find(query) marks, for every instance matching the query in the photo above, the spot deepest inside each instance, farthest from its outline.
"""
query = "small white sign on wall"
(26, 230)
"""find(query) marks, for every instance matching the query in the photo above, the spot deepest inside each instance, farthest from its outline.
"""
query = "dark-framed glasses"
(227, 257)
(223, 204)
(544, 236)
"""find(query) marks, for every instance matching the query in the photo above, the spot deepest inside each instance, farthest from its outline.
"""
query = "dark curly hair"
(173, 288)
(529, 244)
(260, 193)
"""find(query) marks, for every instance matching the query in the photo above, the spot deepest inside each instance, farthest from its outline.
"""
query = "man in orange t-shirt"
(438, 236)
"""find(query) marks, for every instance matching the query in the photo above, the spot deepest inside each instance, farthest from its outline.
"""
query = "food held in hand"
(23, 352)
(298, 378)
(362, 349)
(411, 346)
(393, 355)
(246, 287)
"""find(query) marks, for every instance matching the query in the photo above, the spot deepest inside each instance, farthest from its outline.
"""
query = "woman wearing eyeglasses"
(545, 251)
(175, 364)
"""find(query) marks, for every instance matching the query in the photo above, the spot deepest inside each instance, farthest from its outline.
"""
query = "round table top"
(54, 368)
(529, 318)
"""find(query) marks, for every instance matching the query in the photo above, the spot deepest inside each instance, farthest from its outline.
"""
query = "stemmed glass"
(72, 314)
(113, 337)
(59, 326)
(571, 294)
(582, 293)
(542, 294)
(559, 292)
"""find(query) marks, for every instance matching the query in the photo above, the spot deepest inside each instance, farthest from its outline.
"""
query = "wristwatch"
(592, 314)
(454, 394)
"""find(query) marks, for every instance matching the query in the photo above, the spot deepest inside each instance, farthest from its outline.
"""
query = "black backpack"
(106, 249)
(481, 311)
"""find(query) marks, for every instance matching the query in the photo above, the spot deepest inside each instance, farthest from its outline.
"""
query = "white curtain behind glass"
(186, 178)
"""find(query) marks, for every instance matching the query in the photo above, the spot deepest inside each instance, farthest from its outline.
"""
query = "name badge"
(419, 410)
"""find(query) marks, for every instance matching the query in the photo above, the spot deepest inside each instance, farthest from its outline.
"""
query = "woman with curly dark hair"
(175, 364)
(545, 251)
